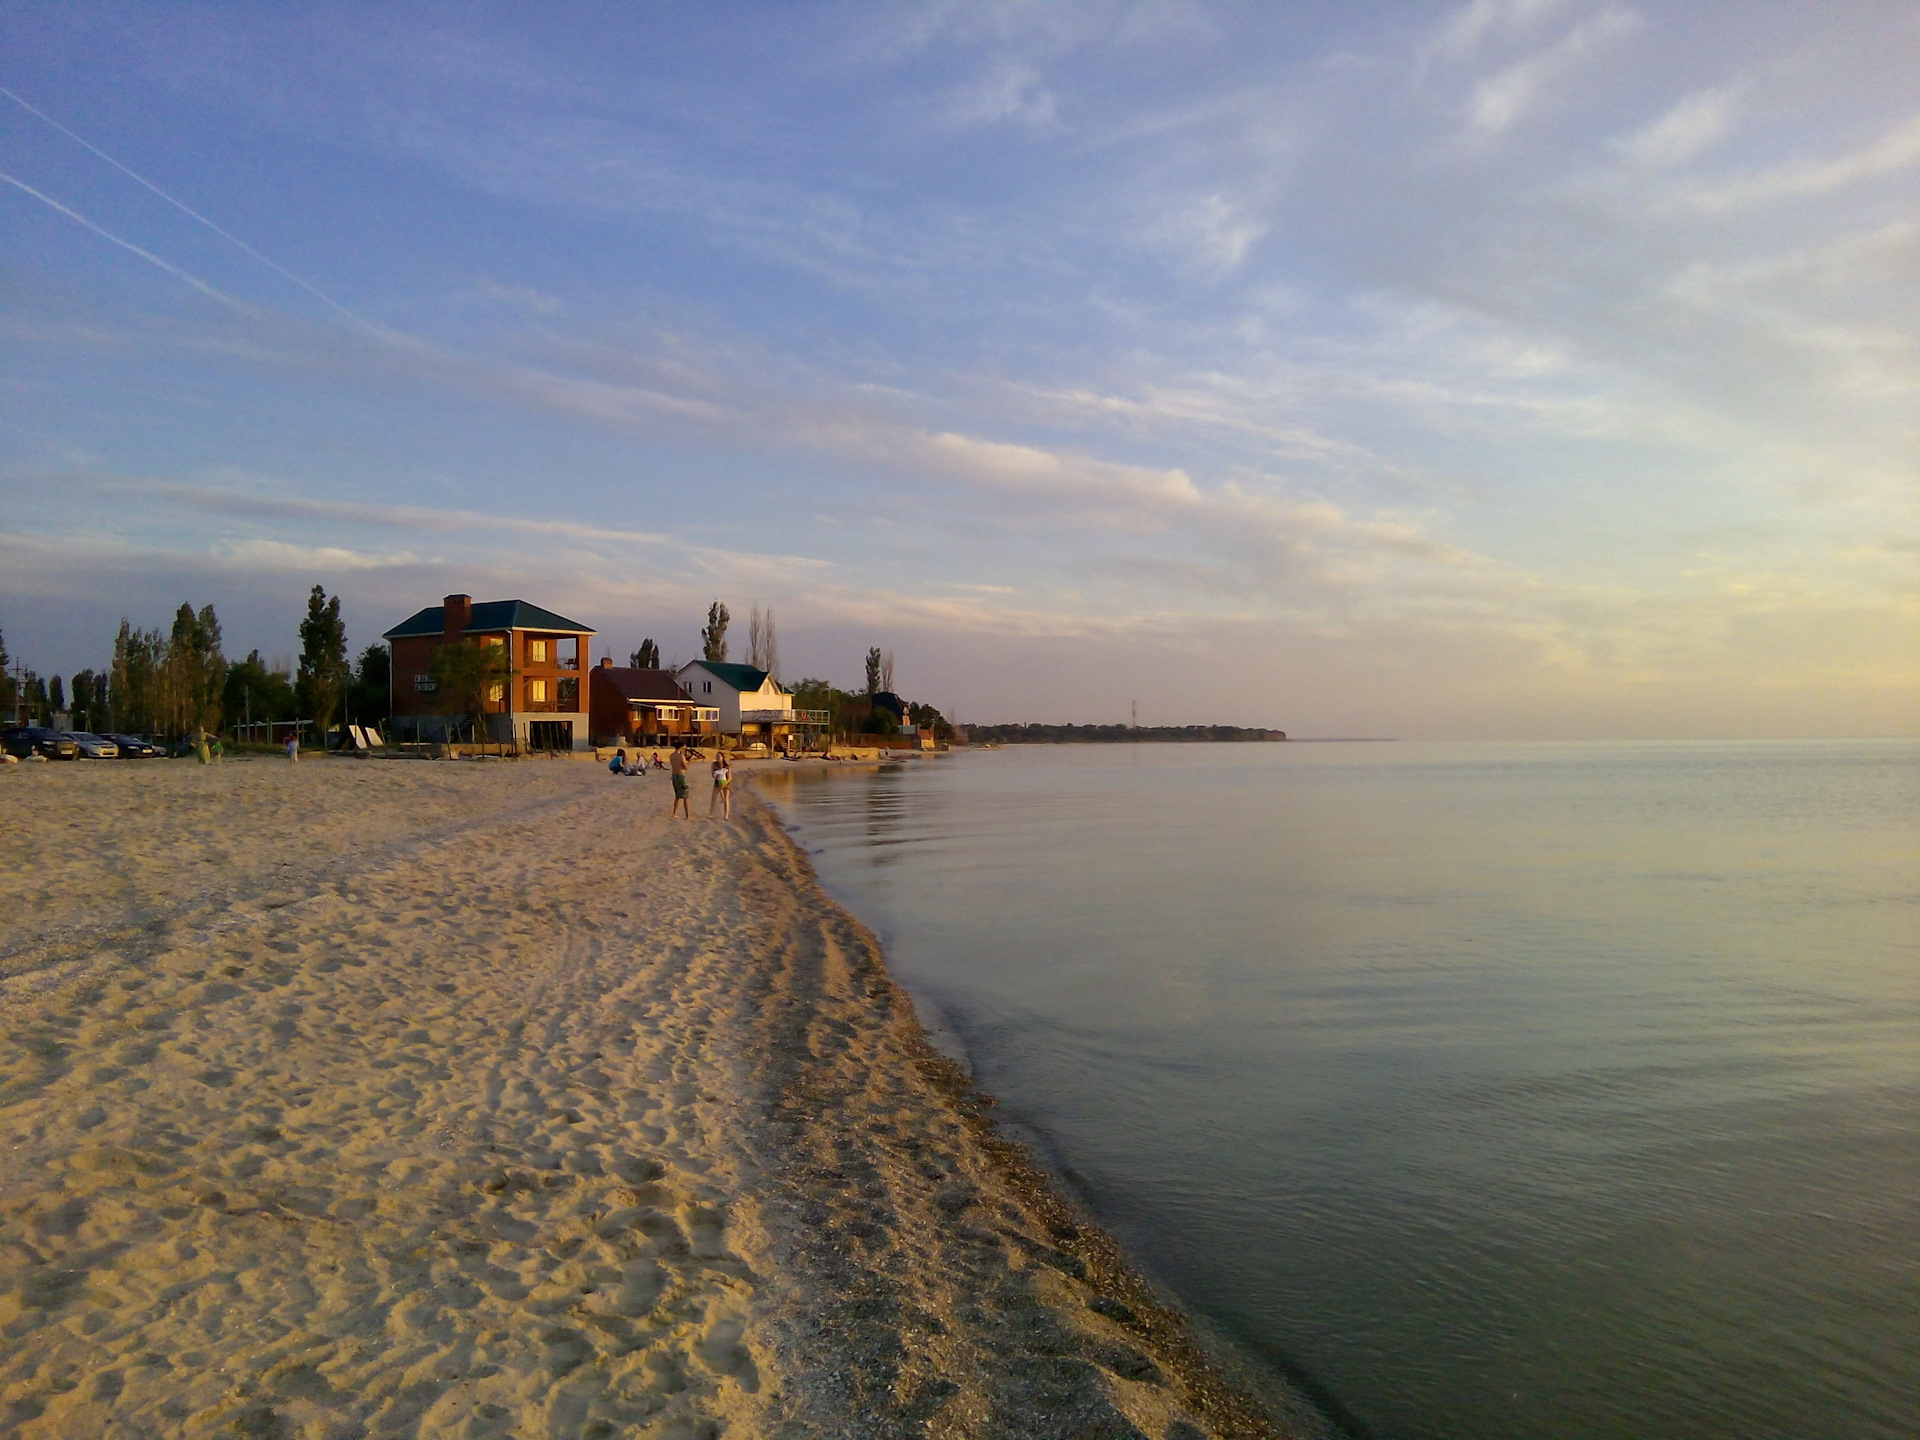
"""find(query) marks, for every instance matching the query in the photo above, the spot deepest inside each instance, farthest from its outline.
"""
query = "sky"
(1518, 369)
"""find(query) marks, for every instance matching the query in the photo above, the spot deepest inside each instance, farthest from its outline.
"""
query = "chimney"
(458, 610)
(606, 662)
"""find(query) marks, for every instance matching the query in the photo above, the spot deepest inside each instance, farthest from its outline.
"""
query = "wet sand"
(362, 1098)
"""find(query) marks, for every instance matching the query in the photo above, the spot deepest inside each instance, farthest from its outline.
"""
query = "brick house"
(539, 705)
(644, 707)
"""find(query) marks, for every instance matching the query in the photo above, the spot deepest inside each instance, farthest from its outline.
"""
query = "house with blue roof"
(541, 703)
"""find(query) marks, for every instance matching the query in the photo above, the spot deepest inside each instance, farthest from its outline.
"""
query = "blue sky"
(1521, 368)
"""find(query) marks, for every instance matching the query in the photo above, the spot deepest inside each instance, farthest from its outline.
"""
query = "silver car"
(93, 747)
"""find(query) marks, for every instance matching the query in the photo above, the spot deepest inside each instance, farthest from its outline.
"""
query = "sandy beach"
(478, 1099)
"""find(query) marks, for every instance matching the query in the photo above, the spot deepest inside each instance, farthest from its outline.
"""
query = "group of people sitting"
(638, 765)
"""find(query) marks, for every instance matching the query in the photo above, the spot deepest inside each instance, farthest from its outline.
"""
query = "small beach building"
(539, 704)
(751, 703)
(644, 707)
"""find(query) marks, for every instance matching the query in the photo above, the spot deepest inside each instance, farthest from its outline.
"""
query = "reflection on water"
(1505, 1090)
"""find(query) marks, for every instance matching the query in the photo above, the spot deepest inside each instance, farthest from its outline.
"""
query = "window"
(496, 692)
(536, 690)
(536, 650)
(707, 686)
(491, 640)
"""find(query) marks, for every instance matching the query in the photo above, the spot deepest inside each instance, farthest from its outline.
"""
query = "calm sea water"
(1501, 1090)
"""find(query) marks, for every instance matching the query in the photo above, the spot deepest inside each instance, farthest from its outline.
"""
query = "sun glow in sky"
(1526, 368)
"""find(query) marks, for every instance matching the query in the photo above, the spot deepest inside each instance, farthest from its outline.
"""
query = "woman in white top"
(722, 786)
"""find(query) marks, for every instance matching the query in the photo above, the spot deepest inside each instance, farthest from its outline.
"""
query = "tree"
(886, 672)
(9, 687)
(647, 657)
(56, 694)
(370, 697)
(763, 643)
(135, 684)
(34, 693)
(467, 673)
(928, 717)
(80, 701)
(713, 639)
(323, 659)
(874, 660)
(193, 673)
(255, 693)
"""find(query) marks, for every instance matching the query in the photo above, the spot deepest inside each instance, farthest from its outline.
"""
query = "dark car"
(132, 747)
(38, 740)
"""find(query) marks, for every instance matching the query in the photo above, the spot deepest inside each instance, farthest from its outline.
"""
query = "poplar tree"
(763, 642)
(80, 701)
(135, 679)
(647, 657)
(324, 672)
(714, 637)
(194, 672)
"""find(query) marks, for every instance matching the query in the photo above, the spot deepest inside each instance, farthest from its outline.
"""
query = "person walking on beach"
(722, 786)
(293, 747)
(682, 762)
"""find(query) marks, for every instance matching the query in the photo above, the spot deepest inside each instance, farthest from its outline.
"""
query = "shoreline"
(482, 1100)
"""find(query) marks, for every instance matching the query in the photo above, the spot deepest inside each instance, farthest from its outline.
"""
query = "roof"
(741, 677)
(658, 685)
(488, 615)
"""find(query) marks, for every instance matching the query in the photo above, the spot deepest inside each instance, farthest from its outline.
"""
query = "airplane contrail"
(147, 255)
(179, 205)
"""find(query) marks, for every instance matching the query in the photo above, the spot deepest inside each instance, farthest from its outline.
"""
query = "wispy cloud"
(1695, 124)
(1500, 100)
(1895, 150)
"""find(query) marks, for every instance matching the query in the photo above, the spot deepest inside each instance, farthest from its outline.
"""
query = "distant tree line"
(1110, 734)
(172, 683)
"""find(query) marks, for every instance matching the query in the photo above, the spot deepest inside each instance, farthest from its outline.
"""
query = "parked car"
(94, 747)
(132, 747)
(38, 740)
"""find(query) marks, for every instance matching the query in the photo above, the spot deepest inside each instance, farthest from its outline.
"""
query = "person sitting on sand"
(682, 762)
(618, 765)
(722, 786)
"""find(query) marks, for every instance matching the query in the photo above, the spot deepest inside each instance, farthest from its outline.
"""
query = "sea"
(1483, 1090)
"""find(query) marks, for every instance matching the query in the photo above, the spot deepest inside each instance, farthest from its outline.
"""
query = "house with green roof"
(751, 702)
(540, 703)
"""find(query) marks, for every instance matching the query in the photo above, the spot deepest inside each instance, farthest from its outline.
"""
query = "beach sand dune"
(388, 1098)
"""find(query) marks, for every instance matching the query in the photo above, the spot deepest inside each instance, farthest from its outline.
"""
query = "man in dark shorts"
(682, 761)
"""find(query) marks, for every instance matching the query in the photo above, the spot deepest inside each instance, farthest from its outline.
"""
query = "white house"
(750, 701)
(740, 692)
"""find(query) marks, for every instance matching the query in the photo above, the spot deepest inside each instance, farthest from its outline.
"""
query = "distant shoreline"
(1122, 734)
